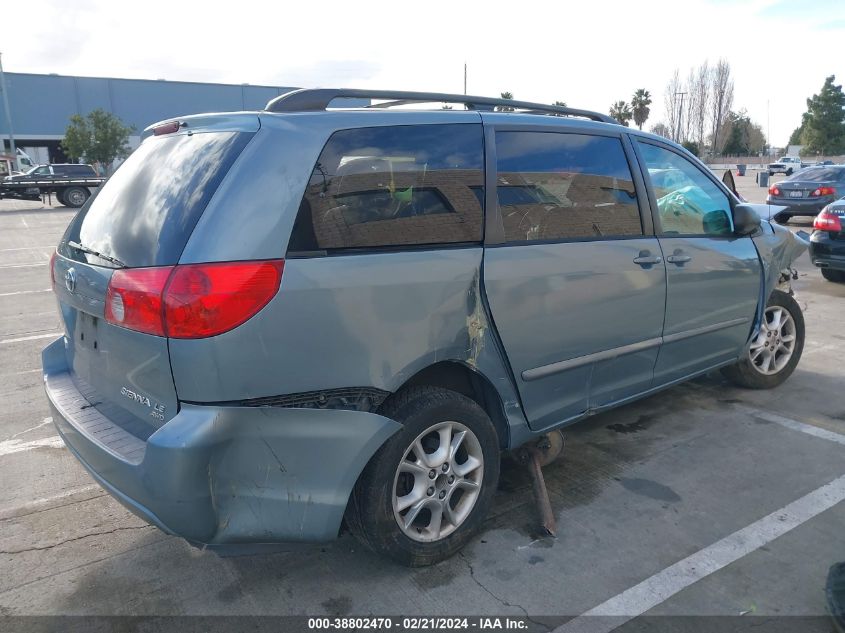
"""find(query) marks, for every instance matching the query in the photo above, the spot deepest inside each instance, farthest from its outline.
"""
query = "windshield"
(144, 214)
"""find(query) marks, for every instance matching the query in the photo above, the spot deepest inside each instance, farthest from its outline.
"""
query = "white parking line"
(34, 337)
(44, 422)
(40, 264)
(795, 425)
(37, 504)
(10, 447)
(24, 248)
(23, 292)
(663, 585)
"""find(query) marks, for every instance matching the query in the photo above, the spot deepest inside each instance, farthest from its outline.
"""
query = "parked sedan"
(827, 243)
(807, 192)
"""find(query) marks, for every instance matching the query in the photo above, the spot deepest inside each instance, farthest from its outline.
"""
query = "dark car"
(807, 192)
(59, 170)
(827, 243)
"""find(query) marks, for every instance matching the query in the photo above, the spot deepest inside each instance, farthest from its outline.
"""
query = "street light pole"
(8, 115)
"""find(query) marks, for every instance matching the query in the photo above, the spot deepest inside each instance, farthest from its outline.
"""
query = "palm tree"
(621, 111)
(505, 95)
(639, 104)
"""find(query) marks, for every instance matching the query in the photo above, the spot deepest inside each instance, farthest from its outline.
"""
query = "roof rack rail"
(316, 99)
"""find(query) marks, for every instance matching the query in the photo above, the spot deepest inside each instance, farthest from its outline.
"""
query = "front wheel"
(789, 171)
(772, 355)
(426, 491)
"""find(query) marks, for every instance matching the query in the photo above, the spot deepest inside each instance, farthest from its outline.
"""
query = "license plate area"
(796, 194)
(87, 332)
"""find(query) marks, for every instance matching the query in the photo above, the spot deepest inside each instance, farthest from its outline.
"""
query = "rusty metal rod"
(541, 494)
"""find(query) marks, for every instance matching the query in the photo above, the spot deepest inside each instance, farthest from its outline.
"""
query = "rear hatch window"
(145, 213)
(143, 217)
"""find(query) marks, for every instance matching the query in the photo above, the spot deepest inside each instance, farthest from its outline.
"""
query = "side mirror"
(746, 220)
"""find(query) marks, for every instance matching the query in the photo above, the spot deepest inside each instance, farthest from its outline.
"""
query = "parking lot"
(701, 500)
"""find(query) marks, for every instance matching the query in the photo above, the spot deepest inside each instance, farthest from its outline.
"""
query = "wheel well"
(468, 382)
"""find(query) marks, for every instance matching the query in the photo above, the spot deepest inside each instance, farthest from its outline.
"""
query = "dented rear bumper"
(219, 475)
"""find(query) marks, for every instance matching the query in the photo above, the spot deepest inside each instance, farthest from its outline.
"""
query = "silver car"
(278, 320)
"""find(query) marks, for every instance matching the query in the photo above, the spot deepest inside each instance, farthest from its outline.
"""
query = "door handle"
(647, 259)
(678, 257)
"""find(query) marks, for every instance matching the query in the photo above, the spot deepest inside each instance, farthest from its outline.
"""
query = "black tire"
(771, 173)
(836, 276)
(60, 197)
(73, 197)
(745, 373)
(782, 218)
(370, 515)
(789, 171)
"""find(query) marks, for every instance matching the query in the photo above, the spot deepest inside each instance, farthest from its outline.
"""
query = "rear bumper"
(825, 252)
(222, 476)
(799, 207)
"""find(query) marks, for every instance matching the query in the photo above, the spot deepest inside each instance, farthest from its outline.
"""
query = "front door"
(577, 285)
(713, 276)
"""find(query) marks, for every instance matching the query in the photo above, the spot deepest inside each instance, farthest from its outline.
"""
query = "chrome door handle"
(648, 260)
(678, 259)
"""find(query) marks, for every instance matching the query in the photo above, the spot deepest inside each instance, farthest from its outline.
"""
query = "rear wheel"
(771, 173)
(426, 491)
(772, 355)
(782, 218)
(73, 197)
(789, 171)
(833, 275)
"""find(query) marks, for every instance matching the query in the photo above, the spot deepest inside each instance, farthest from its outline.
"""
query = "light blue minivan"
(280, 321)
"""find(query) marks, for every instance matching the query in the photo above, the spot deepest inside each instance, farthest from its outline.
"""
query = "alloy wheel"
(438, 481)
(774, 344)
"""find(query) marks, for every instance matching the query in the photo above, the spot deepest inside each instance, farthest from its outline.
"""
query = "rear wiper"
(79, 247)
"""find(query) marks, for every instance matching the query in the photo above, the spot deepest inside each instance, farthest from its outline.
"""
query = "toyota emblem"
(70, 280)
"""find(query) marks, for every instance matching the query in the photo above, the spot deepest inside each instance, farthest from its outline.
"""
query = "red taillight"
(53, 271)
(774, 191)
(827, 221)
(823, 191)
(193, 300)
(133, 299)
(208, 299)
(166, 128)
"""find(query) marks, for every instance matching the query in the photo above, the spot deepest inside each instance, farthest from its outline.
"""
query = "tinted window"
(564, 186)
(144, 214)
(74, 170)
(819, 174)
(394, 186)
(688, 202)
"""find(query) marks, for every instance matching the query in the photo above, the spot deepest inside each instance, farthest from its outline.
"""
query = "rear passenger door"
(713, 275)
(574, 277)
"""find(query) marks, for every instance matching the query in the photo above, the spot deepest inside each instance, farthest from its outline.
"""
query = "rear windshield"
(820, 174)
(144, 214)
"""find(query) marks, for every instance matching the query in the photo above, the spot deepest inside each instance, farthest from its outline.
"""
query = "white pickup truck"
(786, 165)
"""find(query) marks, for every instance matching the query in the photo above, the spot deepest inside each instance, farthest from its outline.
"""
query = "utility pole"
(680, 115)
(465, 77)
(768, 130)
(8, 115)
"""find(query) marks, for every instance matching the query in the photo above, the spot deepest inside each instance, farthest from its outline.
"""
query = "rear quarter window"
(144, 214)
(394, 186)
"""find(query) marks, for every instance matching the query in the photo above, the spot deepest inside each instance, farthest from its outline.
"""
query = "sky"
(588, 54)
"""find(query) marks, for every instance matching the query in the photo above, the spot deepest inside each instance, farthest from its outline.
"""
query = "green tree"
(640, 103)
(621, 111)
(99, 137)
(691, 146)
(505, 95)
(562, 104)
(824, 124)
